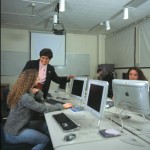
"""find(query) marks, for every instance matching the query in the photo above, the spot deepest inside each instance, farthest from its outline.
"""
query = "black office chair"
(109, 77)
(8, 146)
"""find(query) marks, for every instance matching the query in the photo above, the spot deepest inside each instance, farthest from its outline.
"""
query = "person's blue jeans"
(35, 133)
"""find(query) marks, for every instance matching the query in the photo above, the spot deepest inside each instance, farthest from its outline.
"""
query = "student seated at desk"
(19, 128)
(99, 75)
(135, 73)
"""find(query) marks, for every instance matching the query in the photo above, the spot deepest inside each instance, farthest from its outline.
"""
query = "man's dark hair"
(46, 52)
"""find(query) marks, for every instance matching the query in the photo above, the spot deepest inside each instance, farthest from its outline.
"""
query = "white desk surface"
(137, 124)
(88, 136)
(113, 144)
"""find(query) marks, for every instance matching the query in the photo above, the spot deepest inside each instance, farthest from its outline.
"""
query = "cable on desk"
(122, 127)
(99, 123)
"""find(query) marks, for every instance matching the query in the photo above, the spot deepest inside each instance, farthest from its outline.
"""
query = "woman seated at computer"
(23, 105)
(135, 73)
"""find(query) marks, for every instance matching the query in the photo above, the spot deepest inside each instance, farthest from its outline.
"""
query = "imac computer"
(96, 97)
(132, 95)
(78, 88)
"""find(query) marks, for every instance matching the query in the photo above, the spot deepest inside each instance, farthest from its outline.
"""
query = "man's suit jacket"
(50, 75)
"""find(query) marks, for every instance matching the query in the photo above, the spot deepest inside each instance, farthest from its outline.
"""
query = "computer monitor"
(62, 87)
(96, 97)
(78, 87)
(132, 95)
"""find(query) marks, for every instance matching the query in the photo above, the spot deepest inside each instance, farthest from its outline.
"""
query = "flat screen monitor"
(78, 87)
(96, 97)
(131, 95)
(62, 87)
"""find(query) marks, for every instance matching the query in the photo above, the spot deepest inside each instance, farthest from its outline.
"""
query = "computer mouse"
(70, 137)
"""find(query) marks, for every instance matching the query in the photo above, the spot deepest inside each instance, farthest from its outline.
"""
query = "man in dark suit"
(46, 71)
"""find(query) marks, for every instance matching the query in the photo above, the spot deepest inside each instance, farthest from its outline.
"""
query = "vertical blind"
(144, 44)
(120, 49)
(129, 47)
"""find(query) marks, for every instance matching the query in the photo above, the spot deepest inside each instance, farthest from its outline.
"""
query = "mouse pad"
(107, 133)
(77, 108)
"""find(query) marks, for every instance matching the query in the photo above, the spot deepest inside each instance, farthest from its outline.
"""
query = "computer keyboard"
(65, 122)
(53, 101)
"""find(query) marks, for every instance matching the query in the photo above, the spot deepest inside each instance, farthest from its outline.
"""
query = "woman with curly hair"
(23, 105)
(135, 73)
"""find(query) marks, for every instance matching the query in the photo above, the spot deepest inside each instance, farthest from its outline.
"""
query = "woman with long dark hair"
(135, 73)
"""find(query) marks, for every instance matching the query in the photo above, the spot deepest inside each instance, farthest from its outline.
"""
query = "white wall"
(13, 40)
(19, 40)
(84, 44)
(101, 49)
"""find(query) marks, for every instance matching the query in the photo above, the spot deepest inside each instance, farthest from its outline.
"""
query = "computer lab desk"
(88, 137)
(131, 121)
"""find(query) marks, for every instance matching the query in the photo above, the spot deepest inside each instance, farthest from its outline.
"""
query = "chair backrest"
(2, 136)
(8, 146)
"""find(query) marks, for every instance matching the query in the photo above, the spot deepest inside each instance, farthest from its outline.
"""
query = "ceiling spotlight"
(61, 5)
(55, 19)
(33, 6)
(107, 25)
(126, 13)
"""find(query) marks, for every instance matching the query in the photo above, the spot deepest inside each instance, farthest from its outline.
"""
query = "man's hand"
(70, 77)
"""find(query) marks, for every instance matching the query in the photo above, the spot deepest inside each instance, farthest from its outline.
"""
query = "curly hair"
(23, 84)
(141, 75)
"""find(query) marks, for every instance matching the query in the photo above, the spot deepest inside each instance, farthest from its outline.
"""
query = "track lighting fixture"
(126, 13)
(61, 5)
(33, 6)
(107, 25)
(55, 19)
